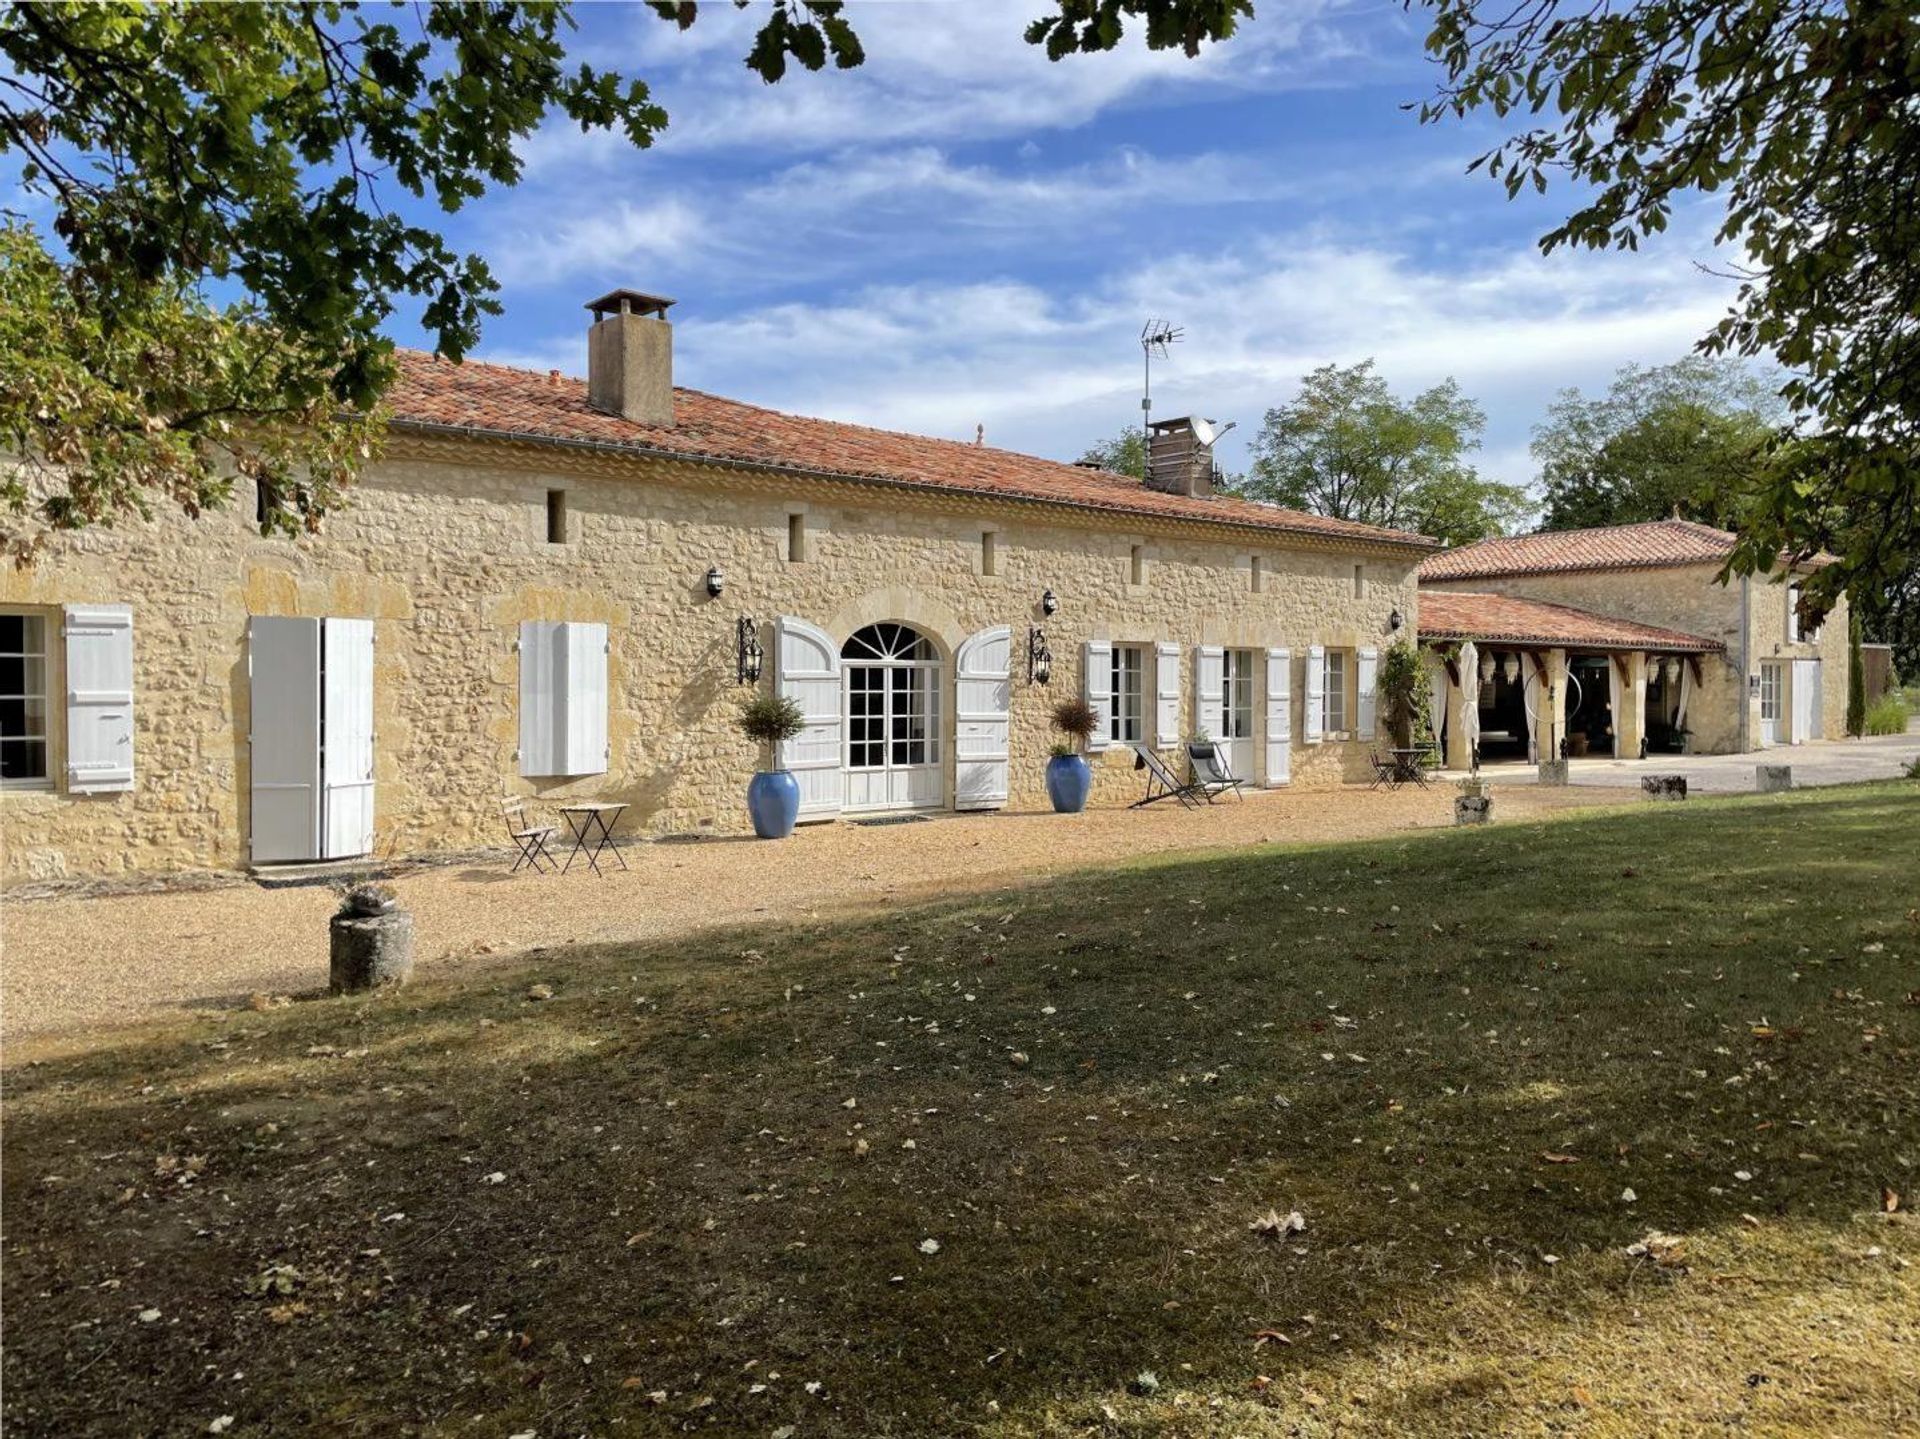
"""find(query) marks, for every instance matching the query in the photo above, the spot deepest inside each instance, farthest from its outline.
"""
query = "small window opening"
(1359, 582)
(989, 553)
(1139, 560)
(556, 517)
(796, 537)
(1256, 577)
(262, 502)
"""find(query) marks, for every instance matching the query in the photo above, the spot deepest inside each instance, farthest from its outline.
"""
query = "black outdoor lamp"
(716, 582)
(1039, 657)
(1048, 603)
(747, 643)
(1395, 621)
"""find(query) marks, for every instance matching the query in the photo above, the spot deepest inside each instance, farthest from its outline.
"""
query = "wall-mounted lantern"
(1395, 621)
(716, 582)
(1048, 603)
(747, 641)
(1039, 657)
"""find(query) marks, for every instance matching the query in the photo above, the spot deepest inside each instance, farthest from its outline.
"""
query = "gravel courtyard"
(87, 962)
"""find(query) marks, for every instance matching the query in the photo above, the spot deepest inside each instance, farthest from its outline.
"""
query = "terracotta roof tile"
(1468, 615)
(437, 394)
(1613, 547)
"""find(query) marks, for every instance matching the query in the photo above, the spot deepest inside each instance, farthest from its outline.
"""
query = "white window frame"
(1336, 674)
(1237, 694)
(44, 780)
(1126, 694)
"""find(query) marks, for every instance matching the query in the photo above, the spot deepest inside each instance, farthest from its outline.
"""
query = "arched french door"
(891, 679)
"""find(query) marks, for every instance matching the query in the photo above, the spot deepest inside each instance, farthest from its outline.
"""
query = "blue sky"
(962, 233)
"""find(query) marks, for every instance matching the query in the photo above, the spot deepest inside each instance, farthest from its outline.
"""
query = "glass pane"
(13, 634)
(23, 718)
(13, 675)
(23, 759)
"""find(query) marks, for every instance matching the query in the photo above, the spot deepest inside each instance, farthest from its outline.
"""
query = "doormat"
(890, 819)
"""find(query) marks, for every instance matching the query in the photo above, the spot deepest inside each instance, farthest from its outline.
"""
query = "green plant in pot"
(773, 796)
(1069, 776)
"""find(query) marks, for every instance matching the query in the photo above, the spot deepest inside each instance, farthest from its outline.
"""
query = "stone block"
(370, 950)
(1473, 809)
(1665, 786)
(1773, 778)
(1553, 771)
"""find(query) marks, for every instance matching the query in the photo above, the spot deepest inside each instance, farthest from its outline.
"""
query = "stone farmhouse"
(1621, 641)
(561, 589)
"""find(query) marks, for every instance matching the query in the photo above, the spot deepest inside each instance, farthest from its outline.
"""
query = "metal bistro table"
(592, 825)
(1407, 764)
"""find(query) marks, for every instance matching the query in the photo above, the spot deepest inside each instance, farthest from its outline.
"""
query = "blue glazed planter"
(773, 803)
(1069, 781)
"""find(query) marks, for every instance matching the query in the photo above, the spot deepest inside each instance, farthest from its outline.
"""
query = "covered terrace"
(1515, 679)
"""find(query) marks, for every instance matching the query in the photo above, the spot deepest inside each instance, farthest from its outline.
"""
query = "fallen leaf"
(1274, 1225)
(1561, 1158)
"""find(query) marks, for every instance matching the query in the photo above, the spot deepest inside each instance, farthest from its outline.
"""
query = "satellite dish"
(1203, 431)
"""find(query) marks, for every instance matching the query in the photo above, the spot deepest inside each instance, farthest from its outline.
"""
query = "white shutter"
(1316, 694)
(283, 738)
(1279, 716)
(1210, 691)
(99, 698)
(584, 728)
(543, 688)
(1806, 701)
(982, 714)
(1166, 689)
(807, 670)
(1367, 684)
(346, 761)
(1096, 679)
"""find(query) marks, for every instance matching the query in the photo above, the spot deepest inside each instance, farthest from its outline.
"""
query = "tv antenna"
(1155, 336)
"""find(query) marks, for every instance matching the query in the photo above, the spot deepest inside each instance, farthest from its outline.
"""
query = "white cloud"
(541, 246)
(1052, 368)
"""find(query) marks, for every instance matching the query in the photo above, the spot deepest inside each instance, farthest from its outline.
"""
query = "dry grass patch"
(992, 1166)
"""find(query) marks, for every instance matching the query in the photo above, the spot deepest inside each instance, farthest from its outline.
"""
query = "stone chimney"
(630, 357)
(1180, 457)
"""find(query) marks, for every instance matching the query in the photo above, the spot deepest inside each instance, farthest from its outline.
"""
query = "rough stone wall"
(445, 548)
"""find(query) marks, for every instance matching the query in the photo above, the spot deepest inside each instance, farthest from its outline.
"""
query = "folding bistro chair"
(1161, 781)
(1385, 772)
(1211, 772)
(532, 838)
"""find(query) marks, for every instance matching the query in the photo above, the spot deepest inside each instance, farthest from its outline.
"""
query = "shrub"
(771, 718)
(1404, 692)
(1887, 715)
(1075, 718)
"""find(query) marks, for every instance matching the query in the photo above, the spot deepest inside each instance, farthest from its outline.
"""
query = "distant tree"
(1347, 447)
(1693, 435)
(1798, 116)
(1124, 454)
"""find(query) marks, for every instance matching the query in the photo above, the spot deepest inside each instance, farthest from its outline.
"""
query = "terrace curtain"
(1470, 693)
(1437, 694)
(1613, 702)
(1686, 693)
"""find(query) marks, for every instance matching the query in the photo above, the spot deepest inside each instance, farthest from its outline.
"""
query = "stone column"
(1459, 697)
(1550, 698)
(1631, 727)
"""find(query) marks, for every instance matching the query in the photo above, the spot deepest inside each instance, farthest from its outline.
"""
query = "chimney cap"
(636, 301)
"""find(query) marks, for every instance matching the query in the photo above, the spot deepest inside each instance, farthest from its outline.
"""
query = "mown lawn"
(693, 1190)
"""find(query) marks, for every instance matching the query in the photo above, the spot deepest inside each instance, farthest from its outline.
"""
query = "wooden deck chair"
(1211, 773)
(530, 837)
(1162, 783)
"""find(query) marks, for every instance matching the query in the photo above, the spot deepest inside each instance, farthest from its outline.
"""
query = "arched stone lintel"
(900, 604)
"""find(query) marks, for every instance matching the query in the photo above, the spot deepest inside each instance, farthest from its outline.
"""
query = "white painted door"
(1236, 712)
(983, 695)
(346, 738)
(1772, 684)
(807, 671)
(1807, 696)
(283, 673)
(893, 759)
